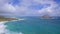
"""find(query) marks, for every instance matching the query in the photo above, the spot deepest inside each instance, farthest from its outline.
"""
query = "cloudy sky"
(30, 7)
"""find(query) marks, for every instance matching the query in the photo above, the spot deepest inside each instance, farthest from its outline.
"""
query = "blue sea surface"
(35, 25)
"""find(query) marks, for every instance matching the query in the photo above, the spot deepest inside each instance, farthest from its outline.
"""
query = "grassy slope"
(6, 19)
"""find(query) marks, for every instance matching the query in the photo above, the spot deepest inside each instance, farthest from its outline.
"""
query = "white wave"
(3, 22)
(20, 33)
(21, 19)
(18, 19)
(14, 20)
(3, 29)
(11, 32)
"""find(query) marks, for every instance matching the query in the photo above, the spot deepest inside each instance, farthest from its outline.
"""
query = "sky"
(30, 7)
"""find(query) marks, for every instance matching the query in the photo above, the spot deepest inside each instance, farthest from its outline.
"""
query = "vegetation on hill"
(6, 19)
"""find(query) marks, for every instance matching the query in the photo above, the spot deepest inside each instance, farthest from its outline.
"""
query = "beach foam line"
(17, 20)
(20, 33)
(3, 22)
(2, 27)
(21, 19)
(11, 20)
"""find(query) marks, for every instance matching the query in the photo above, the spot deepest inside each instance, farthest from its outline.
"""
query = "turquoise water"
(34, 25)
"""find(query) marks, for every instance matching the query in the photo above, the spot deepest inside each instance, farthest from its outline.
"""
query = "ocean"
(32, 25)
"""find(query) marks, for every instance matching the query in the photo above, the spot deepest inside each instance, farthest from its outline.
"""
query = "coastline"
(10, 20)
(2, 26)
(3, 21)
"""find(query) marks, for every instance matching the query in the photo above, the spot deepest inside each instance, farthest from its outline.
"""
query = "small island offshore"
(2, 18)
(46, 17)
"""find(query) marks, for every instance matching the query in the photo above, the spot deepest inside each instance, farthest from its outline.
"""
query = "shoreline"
(3, 21)
(11, 20)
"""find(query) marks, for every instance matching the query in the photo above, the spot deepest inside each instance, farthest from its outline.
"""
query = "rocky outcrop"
(46, 17)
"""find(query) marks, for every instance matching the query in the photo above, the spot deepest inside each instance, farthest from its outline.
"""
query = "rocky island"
(46, 17)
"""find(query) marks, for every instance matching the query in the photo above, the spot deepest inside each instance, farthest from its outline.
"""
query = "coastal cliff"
(7, 19)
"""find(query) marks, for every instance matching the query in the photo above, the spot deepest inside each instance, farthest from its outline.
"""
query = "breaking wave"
(3, 29)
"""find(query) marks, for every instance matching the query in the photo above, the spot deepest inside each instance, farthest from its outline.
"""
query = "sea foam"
(3, 29)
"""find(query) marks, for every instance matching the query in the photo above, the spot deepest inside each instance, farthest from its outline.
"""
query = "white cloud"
(23, 7)
(49, 10)
(8, 7)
